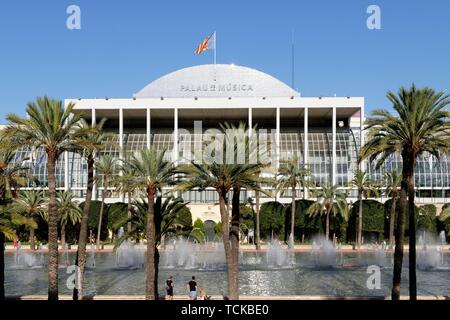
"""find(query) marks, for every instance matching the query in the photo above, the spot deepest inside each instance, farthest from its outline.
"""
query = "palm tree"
(223, 178)
(12, 175)
(330, 202)
(49, 126)
(30, 204)
(153, 173)
(106, 168)
(89, 141)
(166, 214)
(257, 211)
(126, 184)
(366, 188)
(220, 178)
(420, 125)
(7, 232)
(244, 176)
(291, 175)
(68, 211)
(393, 180)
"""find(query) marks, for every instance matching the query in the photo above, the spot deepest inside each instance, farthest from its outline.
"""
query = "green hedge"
(427, 219)
(272, 219)
(373, 219)
(387, 210)
(198, 224)
(341, 226)
(246, 218)
(304, 224)
(184, 218)
(116, 212)
(218, 228)
(444, 225)
(41, 233)
(94, 213)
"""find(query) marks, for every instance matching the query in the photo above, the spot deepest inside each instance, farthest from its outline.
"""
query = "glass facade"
(432, 175)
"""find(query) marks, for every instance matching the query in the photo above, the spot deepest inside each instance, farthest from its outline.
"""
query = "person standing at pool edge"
(169, 288)
(192, 287)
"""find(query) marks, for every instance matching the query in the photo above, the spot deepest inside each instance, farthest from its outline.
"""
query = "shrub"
(427, 218)
(117, 212)
(304, 224)
(94, 213)
(210, 232)
(373, 219)
(272, 218)
(184, 218)
(246, 218)
(198, 232)
(387, 210)
(198, 224)
(218, 228)
(444, 224)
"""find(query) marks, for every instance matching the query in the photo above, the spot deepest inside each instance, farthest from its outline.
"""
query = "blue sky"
(123, 45)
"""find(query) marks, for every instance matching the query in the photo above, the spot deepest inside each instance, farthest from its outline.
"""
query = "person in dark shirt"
(192, 288)
(169, 288)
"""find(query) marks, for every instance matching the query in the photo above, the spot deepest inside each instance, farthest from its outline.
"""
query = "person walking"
(169, 288)
(192, 288)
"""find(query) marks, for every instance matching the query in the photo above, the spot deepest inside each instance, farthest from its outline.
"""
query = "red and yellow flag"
(205, 44)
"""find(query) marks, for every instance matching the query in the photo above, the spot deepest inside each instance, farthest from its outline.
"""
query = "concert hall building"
(324, 132)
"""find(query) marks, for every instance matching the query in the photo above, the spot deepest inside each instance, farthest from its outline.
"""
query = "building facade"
(176, 112)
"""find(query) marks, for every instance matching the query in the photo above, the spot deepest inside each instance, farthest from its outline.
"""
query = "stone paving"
(259, 298)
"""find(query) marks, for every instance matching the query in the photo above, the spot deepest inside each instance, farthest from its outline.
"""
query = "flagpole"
(215, 47)
(293, 59)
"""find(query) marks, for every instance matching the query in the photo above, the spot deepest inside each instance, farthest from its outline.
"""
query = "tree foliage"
(272, 219)
(374, 217)
(427, 219)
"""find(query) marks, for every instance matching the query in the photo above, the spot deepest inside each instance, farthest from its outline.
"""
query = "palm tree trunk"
(82, 239)
(327, 226)
(292, 217)
(150, 286)
(399, 237)
(412, 229)
(52, 230)
(225, 231)
(360, 220)
(392, 220)
(102, 208)
(129, 212)
(2, 266)
(334, 230)
(156, 271)
(233, 269)
(63, 237)
(258, 236)
(32, 242)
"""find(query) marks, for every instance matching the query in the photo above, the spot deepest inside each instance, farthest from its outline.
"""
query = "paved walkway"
(259, 298)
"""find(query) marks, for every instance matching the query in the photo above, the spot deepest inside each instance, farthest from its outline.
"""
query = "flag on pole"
(207, 44)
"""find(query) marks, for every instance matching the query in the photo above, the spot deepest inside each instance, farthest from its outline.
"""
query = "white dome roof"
(221, 80)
